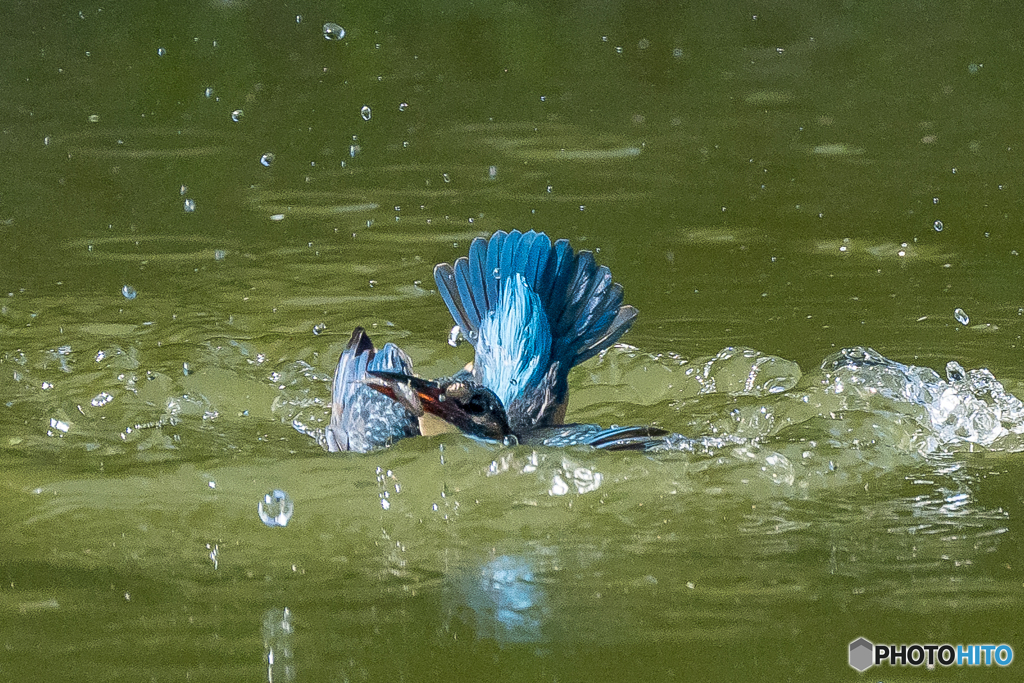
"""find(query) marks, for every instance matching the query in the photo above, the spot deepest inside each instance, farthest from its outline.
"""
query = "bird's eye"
(475, 406)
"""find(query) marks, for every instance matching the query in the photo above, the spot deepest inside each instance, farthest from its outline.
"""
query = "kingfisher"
(532, 310)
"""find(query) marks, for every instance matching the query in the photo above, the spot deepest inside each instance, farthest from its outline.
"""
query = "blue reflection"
(507, 602)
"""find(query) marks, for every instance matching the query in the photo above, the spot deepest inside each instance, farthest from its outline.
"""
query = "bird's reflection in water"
(505, 601)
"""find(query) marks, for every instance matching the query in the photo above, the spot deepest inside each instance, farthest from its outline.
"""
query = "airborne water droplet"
(129, 292)
(453, 336)
(267, 159)
(938, 226)
(190, 205)
(961, 316)
(237, 115)
(276, 508)
(333, 32)
(365, 112)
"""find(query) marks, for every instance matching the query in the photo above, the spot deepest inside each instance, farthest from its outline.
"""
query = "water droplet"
(276, 508)
(186, 369)
(453, 336)
(353, 150)
(961, 316)
(365, 113)
(129, 292)
(935, 200)
(219, 254)
(161, 51)
(333, 32)
(237, 115)
(94, 118)
(208, 92)
(319, 328)
(101, 399)
(190, 205)
(267, 159)
(551, 188)
(404, 106)
(446, 177)
(492, 172)
(938, 226)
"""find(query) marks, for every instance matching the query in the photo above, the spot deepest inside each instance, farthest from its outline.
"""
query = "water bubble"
(237, 115)
(319, 328)
(276, 508)
(190, 205)
(161, 51)
(365, 112)
(267, 159)
(333, 32)
(129, 292)
(404, 106)
(961, 316)
(938, 226)
(101, 399)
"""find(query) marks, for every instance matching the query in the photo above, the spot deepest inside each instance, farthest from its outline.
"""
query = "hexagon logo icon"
(862, 654)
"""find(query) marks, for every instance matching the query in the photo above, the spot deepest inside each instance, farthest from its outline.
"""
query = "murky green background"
(794, 177)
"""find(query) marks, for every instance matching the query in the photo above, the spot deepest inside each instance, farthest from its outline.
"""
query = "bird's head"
(474, 409)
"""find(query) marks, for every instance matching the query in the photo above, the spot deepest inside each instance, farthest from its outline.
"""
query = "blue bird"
(532, 310)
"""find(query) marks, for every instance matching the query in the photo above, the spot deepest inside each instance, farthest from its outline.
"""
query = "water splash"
(277, 644)
(969, 406)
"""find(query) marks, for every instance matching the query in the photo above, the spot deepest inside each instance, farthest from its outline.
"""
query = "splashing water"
(969, 406)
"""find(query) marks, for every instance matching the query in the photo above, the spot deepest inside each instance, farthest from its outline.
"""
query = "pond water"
(817, 212)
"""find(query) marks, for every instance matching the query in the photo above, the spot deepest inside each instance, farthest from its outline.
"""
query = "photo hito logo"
(864, 654)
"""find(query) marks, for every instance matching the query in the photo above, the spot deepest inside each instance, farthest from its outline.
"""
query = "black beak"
(419, 395)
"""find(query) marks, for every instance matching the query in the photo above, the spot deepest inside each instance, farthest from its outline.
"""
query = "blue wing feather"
(361, 418)
(582, 306)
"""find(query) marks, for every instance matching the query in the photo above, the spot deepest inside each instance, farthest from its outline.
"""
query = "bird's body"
(532, 311)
